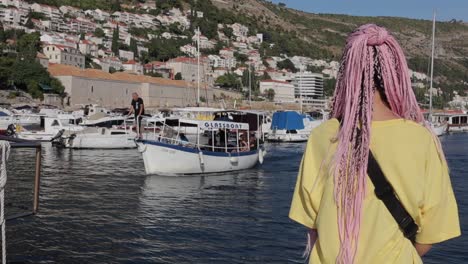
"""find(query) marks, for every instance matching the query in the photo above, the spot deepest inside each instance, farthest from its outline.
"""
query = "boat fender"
(260, 156)
(233, 160)
(141, 148)
(202, 160)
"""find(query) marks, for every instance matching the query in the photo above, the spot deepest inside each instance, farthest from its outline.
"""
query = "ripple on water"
(99, 207)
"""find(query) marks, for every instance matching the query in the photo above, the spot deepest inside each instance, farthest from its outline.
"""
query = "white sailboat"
(438, 128)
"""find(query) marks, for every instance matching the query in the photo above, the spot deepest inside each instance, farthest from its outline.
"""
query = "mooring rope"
(5, 146)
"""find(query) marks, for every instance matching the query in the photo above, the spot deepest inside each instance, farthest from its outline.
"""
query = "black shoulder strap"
(385, 192)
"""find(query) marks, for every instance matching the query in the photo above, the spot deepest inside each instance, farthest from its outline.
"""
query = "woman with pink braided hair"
(374, 110)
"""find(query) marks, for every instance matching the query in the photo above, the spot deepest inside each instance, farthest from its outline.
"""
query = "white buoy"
(260, 156)
(202, 160)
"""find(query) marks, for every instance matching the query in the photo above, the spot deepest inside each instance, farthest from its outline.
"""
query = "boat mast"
(300, 87)
(198, 66)
(432, 66)
(250, 86)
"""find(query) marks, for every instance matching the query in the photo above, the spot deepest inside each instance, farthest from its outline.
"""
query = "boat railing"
(228, 148)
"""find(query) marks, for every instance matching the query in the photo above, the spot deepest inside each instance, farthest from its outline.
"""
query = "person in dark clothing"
(137, 109)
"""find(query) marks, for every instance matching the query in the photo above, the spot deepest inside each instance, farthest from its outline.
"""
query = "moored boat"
(290, 126)
(100, 138)
(228, 147)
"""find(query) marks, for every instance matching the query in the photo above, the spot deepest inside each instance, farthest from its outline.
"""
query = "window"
(47, 48)
(56, 57)
(53, 48)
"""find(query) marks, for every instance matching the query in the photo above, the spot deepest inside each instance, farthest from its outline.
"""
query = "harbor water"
(98, 206)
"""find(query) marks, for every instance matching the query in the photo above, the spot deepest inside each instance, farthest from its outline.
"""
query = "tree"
(229, 80)
(29, 45)
(99, 33)
(2, 33)
(242, 58)
(115, 41)
(178, 76)
(115, 6)
(133, 47)
(286, 64)
(270, 94)
(228, 32)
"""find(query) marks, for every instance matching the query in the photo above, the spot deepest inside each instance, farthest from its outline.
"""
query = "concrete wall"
(113, 93)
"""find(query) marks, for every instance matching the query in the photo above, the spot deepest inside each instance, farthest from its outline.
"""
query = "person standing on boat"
(138, 110)
(376, 125)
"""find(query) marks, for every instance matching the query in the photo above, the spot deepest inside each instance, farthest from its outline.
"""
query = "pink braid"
(369, 50)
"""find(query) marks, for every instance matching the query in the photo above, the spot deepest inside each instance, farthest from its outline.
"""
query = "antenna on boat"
(432, 65)
(198, 66)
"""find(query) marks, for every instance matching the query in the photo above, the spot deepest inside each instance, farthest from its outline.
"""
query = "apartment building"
(51, 12)
(61, 54)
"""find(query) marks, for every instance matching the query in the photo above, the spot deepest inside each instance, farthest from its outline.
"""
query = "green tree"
(228, 32)
(286, 64)
(28, 45)
(2, 33)
(115, 41)
(133, 47)
(178, 76)
(99, 33)
(242, 58)
(115, 6)
(229, 80)
(270, 94)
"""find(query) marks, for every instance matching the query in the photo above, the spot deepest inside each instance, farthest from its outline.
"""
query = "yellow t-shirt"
(408, 156)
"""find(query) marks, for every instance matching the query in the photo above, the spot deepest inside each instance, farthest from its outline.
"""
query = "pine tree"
(134, 47)
(115, 41)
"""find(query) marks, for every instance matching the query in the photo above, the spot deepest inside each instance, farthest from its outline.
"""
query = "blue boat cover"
(288, 120)
(3, 114)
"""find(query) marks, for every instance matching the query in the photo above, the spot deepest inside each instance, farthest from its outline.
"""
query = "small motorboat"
(290, 126)
(99, 138)
(53, 127)
(228, 146)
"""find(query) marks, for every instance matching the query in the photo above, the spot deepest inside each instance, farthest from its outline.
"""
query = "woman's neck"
(381, 110)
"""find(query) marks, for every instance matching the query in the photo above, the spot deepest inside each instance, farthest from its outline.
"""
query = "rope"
(5, 147)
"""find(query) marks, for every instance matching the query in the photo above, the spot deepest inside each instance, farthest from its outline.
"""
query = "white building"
(127, 55)
(205, 43)
(49, 11)
(133, 67)
(109, 63)
(98, 14)
(284, 91)
(64, 55)
(308, 87)
(13, 16)
(189, 50)
(82, 25)
(22, 5)
(88, 48)
(218, 62)
(72, 11)
(187, 67)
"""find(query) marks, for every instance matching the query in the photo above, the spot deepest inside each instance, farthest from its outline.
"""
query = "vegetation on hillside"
(19, 68)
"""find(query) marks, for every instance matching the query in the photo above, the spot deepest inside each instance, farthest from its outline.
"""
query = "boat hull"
(100, 142)
(166, 159)
(287, 137)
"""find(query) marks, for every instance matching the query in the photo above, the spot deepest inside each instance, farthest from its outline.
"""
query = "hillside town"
(101, 43)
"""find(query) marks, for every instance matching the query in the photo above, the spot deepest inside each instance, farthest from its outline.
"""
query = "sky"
(422, 9)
